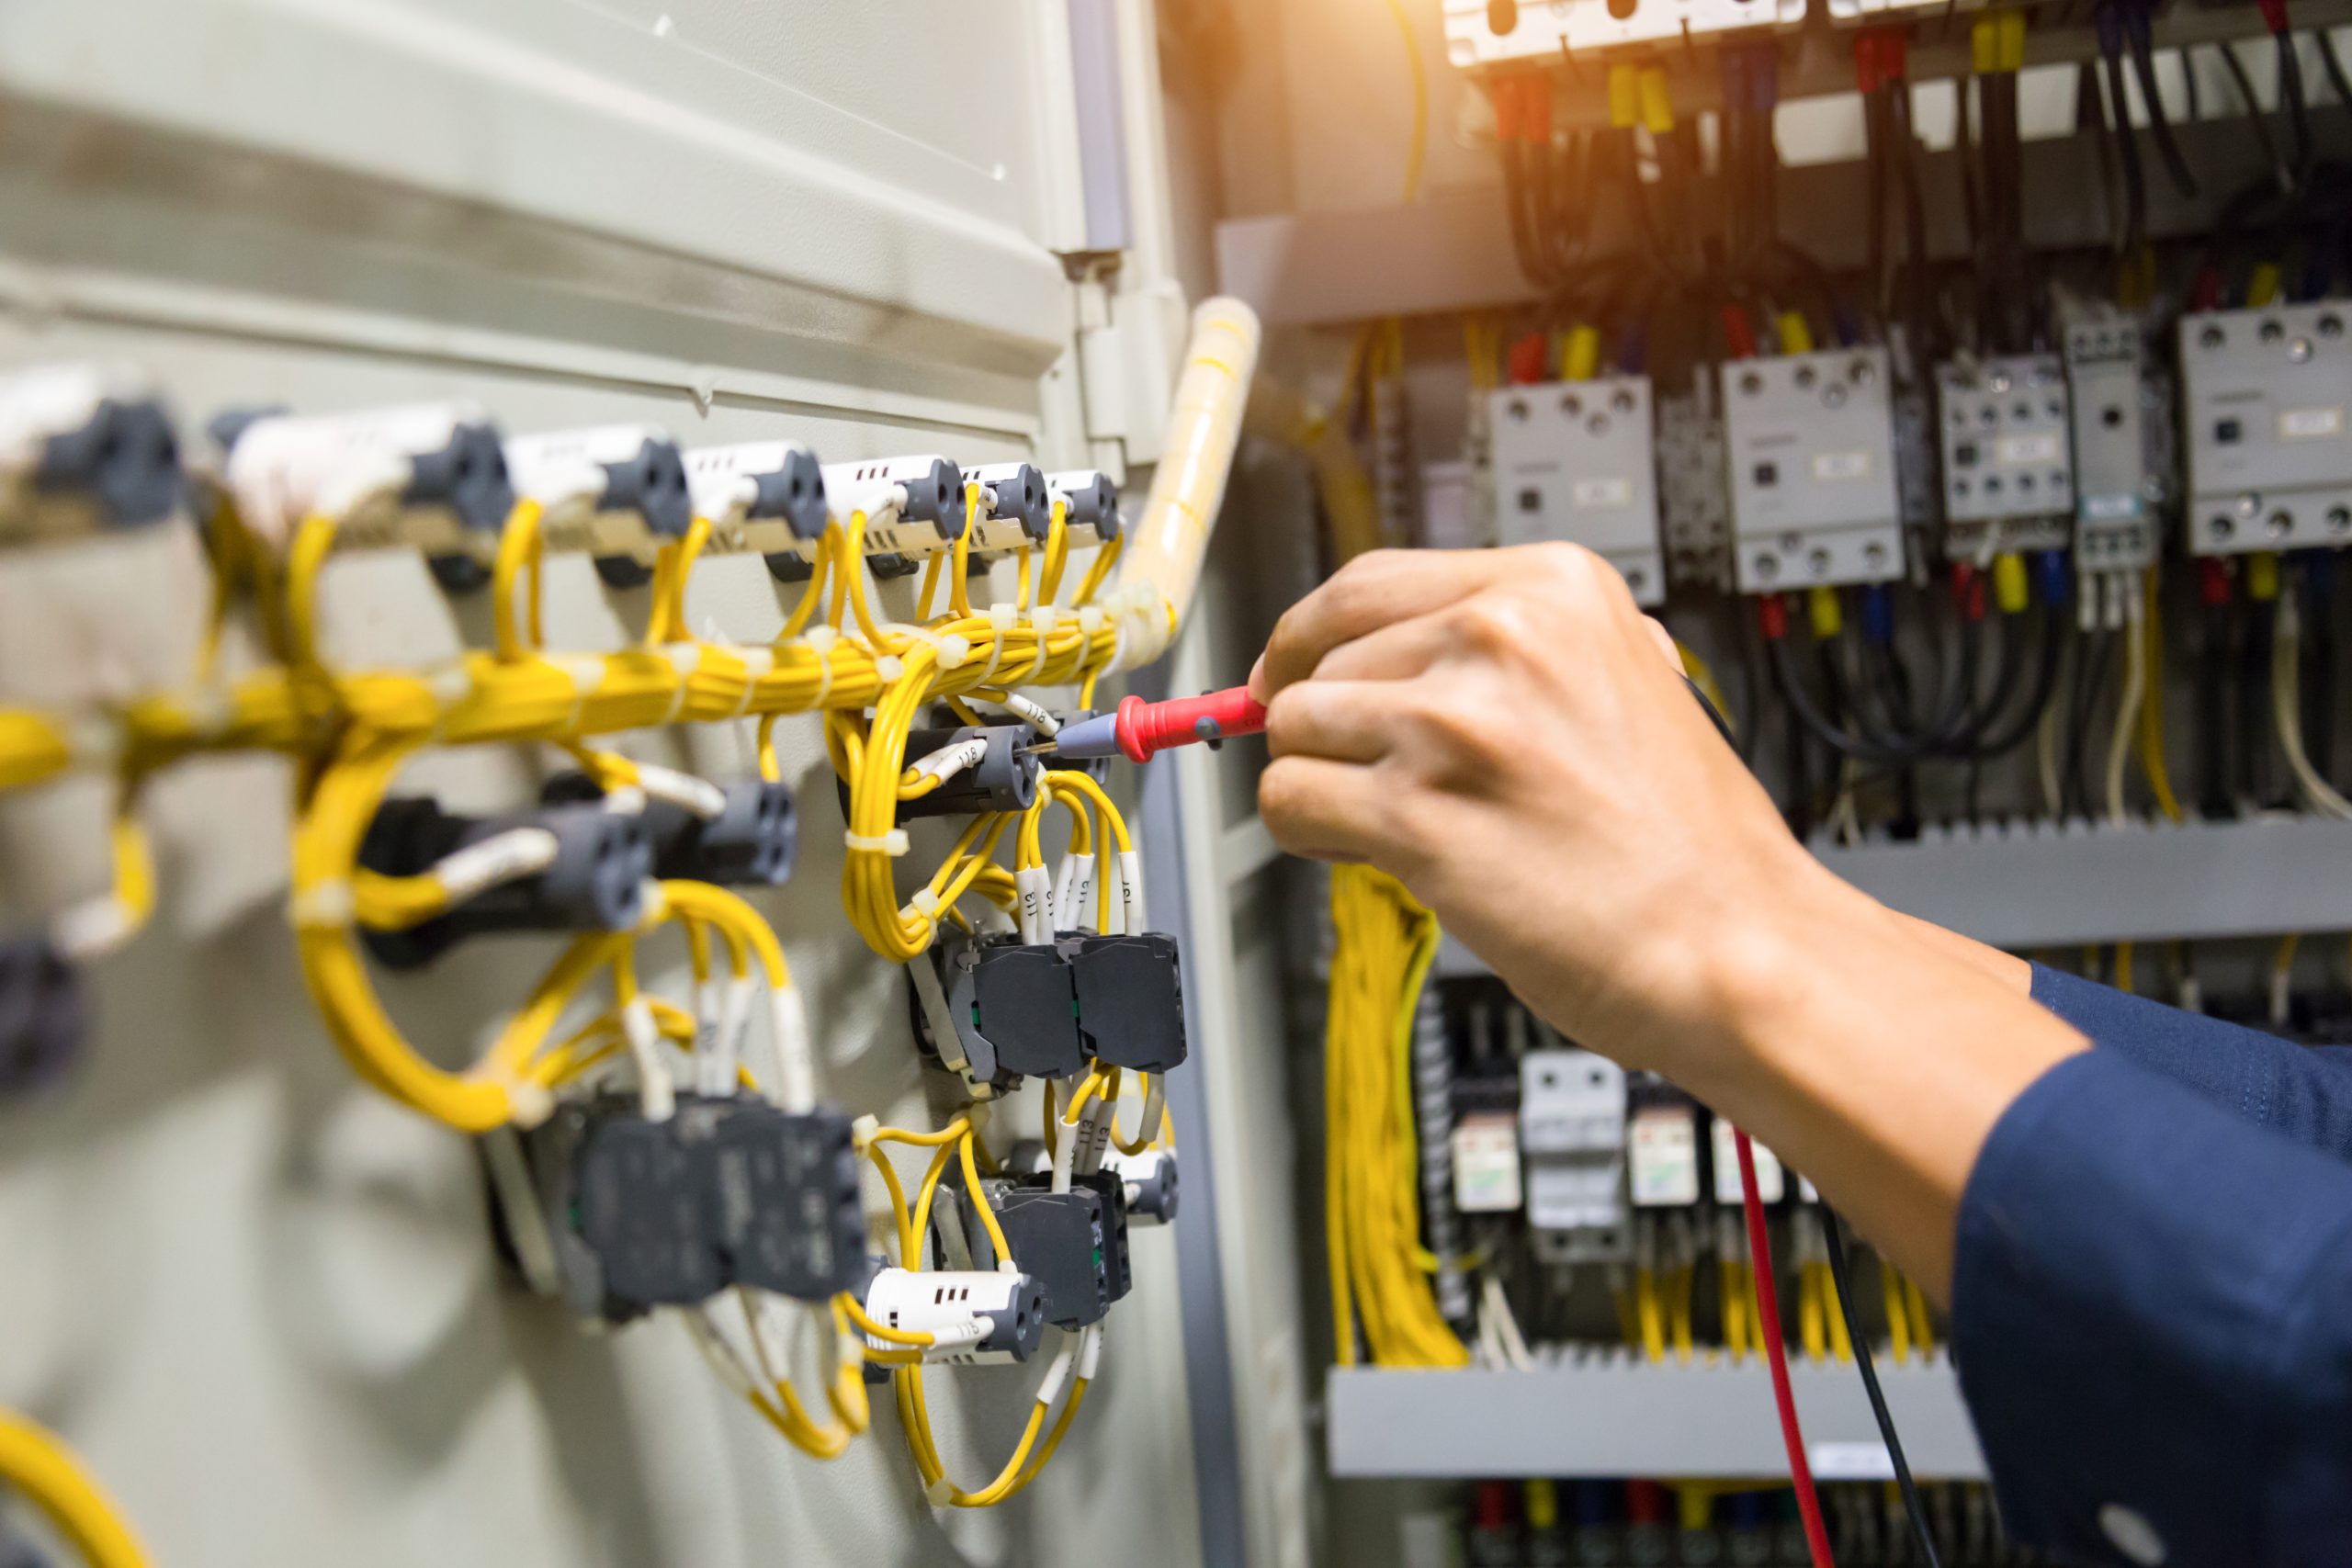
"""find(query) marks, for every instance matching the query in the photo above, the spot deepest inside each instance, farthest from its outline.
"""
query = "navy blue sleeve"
(2151, 1317)
(2296, 1090)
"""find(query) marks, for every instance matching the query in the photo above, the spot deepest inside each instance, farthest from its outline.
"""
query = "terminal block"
(784, 1191)
(763, 498)
(2115, 491)
(1810, 442)
(2009, 467)
(1573, 461)
(615, 492)
(83, 448)
(595, 880)
(1661, 1144)
(725, 1190)
(1004, 779)
(751, 839)
(914, 507)
(1014, 509)
(1129, 992)
(991, 1317)
(1014, 1008)
(431, 476)
(1089, 504)
(1073, 1244)
(43, 1014)
(2266, 395)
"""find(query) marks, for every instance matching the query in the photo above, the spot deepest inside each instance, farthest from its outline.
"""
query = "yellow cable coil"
(36, 1463)
(1384, 942)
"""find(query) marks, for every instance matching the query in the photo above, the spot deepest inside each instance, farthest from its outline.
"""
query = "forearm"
(1872, 1060)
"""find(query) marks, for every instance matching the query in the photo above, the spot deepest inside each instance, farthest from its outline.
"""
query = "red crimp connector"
(1773, 617)
(2213, 580)
(1535, 108)
(2207, 296)
(1527, 357)
(1975, 609)
(2273, 15)
(1968, 590)
(1879, 58)
(1738, 333)
(1505, 101)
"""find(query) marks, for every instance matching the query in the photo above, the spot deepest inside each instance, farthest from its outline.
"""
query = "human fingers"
(1329, 810)
(1344, 721)
(1371, 591)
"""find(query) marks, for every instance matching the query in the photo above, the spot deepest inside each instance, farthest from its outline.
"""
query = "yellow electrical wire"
(37, 1465)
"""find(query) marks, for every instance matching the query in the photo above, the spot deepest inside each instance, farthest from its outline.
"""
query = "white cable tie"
(1090, 621)
(862, 1131)
(821, 639)
(90, 929)
(939, 1493)
(529, 1104)
(924, 903)
(1089, 1350)
(451, 684)
(1007, 1265)
(684, 659)
(699, 796)
(322, 906)
(586, 672)
(1044, 618)
(1002, 618)
(757, 662)
(892, 843)
(890, 669)
(657, 1096)
(501, 858)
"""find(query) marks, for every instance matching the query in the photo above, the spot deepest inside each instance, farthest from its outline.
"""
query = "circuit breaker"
(2114, 530)
(2265, 396)
(2009, 466)
(1572, 1138)
(1484, 32)
(1573, 460)
(1810, 441)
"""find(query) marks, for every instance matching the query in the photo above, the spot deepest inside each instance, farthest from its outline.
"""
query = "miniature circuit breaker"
(1573, 461)
(1810, 442)
(2266, 397)
(2114, 488)
(1572, 1136)
(1492, 32)
(2009, 466)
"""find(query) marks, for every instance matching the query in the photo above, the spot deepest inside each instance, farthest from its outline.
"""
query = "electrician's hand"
(1506, 733)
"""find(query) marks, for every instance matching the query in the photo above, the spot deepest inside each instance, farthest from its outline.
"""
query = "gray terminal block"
(2266, 415)
(1014, 1005)
(1809, 442)
(2115, 488)
(1573, 461)
(2007, 449)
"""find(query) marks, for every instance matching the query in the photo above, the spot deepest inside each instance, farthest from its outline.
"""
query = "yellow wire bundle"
(1384, 942)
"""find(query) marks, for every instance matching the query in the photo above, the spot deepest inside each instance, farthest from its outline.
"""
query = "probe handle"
(1146, 728)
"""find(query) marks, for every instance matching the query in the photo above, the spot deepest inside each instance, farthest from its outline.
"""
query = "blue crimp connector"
(1878, 614)
(2052, 565)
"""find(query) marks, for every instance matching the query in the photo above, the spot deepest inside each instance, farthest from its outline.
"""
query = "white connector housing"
(2114, 490)
(947, 1303)
(763, 497)
(1015, 511)
(607, 491)
(427, 475)
(2267, 417)
(913, 506)
(83, 447)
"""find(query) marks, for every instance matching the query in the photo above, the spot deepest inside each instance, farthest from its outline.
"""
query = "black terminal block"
(1130, 993)
(795, 493)
(728, 1190)
(468, 478)
(1014, 1007)
(652, 484)
(1005, 779)
(753, 843)
(43, 1014)
(596, 882)
(935, 496)
(124, 458)
(1091, 500)
(1074, 1244)
(1150, 1185)
(784, 1193)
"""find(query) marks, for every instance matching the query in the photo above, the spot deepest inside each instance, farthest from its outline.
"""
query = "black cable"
(2127, 148)
(2143, 65)
(2255, 738)
(1841, 1277)
(2007, 738)
(2214, 791)
(2334, 66)
(1812, 720)
(2090, 681)
(2254, 117)
(1916, 314)
(2291, 93)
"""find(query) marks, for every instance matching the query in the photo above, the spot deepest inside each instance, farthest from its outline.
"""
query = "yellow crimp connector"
(2262, 575)
(1997, 43)
(1580, 356)
(1658, 101)
(1796, 336)
(1624, 97)
(2009, 584)
(2262, 287)
(1542, 1504)
(1827, 615)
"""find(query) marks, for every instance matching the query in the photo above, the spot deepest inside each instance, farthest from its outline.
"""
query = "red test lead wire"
(1775, 1353)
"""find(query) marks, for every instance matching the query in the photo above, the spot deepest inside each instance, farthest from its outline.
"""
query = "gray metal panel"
(1621, 1417)
(2032, 884)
